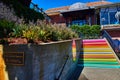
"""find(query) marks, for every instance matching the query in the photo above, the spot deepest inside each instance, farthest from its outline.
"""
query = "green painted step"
(98, 59)
(97, 62)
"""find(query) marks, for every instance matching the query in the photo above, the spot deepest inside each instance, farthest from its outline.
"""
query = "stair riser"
(94, 50)
(93, 40)
(109, 60)
(95, 53)
(100, 66)
(95, 46)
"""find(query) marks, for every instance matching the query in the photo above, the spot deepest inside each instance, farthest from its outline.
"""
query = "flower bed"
(35, 33)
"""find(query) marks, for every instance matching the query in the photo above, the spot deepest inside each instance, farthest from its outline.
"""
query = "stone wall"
(43, 61)
(8, 14)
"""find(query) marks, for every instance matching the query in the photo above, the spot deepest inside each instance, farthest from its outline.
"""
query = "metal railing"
(37, 9)
(109, 38)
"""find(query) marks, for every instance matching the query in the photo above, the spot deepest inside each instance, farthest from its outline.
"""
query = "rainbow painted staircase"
(97, 53)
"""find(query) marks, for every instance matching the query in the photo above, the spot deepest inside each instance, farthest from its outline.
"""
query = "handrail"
(36, 8)
(109, 38)
(67, 56)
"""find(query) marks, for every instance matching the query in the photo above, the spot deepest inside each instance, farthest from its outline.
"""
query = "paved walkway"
(100, 74)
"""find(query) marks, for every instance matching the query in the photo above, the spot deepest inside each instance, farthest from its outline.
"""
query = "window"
(113, 20)
(104, 18)
(79, 22)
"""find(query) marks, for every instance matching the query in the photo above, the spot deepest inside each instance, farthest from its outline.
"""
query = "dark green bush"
(23, 11)
(87, 31)
(6, 27)
(76, 28)
(95, 29)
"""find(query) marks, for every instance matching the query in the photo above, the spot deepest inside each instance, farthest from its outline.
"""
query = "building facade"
(78, 13)
(109, 14)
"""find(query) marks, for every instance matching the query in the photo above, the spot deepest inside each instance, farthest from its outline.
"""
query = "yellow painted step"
(96, 50)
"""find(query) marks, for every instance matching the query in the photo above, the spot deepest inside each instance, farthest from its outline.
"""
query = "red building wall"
(57, 19)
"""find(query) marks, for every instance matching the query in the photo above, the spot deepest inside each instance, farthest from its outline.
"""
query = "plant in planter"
(5, 28)
(31, 33)
(24, 33)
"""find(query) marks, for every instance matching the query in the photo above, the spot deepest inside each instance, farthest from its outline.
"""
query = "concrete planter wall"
(43, 61)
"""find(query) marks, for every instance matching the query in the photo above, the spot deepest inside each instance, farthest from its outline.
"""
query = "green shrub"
(76, 28)
(95, 29)
(6, 27)
(87, 31)
(39, 32)
(17, 31)
(57, 32)
(31, 33)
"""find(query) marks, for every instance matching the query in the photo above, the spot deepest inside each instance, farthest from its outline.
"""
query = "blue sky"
(46, 4)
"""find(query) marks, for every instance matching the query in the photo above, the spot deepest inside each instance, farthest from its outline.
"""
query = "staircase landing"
(100, 74)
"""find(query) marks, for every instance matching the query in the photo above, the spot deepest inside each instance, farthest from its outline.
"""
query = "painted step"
(96, 62)
(110, 60)
(96, 53)
(93, 40)
(95, 43)
(95, 46)
(96, 50)
(99, 66)
(98, 56)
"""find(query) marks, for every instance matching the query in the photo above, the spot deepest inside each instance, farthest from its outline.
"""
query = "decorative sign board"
(14, 58)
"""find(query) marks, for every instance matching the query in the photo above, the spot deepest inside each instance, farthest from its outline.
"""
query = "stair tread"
(98, 59)
(99, 66)
(97, 56)
(93, 62)
(94, 40)
(95, 43)
(96, 52)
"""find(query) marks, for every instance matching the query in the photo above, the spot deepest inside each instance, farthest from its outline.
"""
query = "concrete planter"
(43, 61)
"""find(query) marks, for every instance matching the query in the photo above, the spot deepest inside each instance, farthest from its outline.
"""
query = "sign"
(14, 58)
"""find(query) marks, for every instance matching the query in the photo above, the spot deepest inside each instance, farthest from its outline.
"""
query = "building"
(78, 13)
(109, 14)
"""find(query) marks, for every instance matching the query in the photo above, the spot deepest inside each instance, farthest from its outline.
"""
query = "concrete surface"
(100, 74)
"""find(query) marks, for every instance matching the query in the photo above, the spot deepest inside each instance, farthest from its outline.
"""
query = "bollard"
(16, 78)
